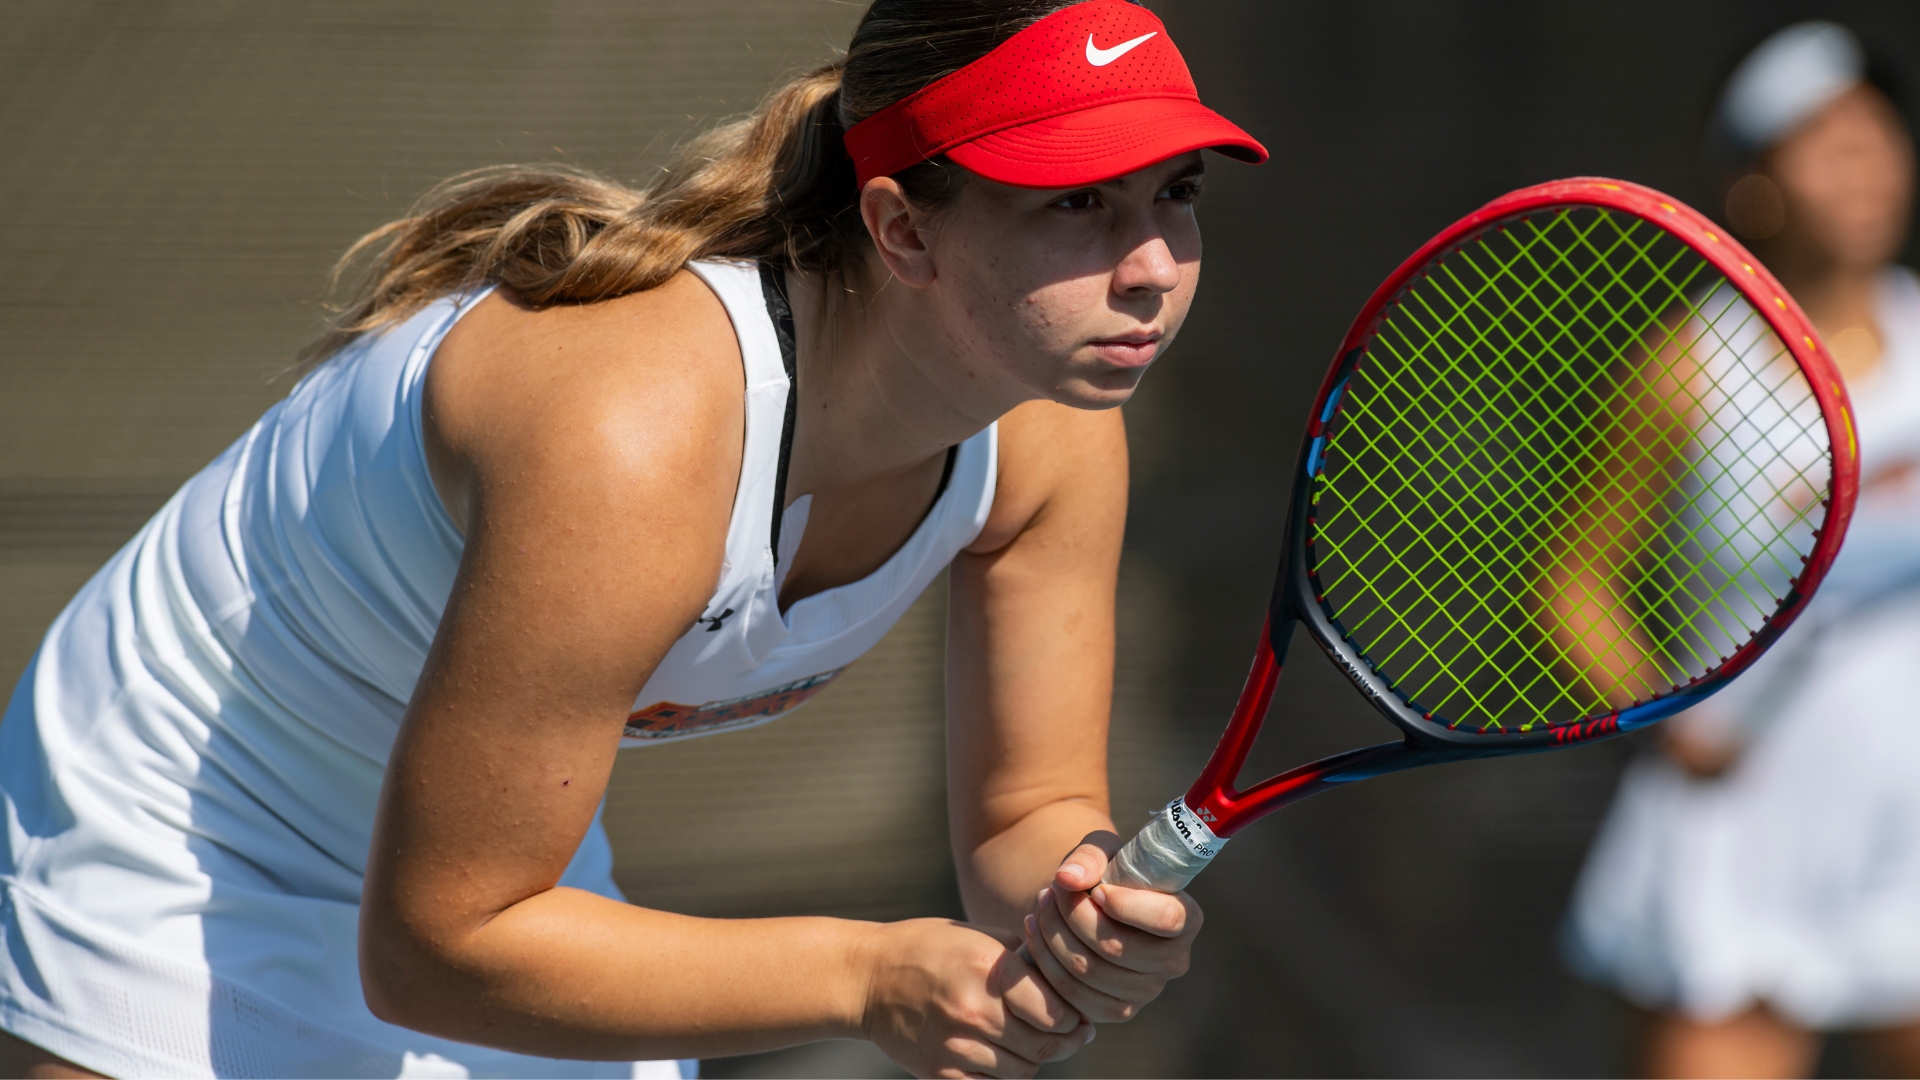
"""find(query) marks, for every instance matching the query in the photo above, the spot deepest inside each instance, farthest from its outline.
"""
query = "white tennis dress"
(190, 766)
(1793, 879)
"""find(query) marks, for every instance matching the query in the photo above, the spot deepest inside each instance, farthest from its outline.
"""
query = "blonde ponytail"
(558, 235)
(777, 185)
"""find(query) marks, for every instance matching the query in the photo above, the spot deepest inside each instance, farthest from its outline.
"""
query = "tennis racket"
(1578, 462)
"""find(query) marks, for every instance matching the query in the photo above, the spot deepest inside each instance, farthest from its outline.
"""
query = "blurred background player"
(1758, 882)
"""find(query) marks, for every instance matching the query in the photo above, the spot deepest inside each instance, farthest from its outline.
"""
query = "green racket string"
(1572, 470)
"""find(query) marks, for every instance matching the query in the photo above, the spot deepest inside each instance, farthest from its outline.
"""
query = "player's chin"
(1098, 387)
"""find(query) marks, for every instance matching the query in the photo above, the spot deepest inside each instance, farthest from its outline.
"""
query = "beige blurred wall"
(178, 177)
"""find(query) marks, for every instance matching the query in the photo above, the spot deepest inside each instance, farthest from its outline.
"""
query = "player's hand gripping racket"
(1579, 461)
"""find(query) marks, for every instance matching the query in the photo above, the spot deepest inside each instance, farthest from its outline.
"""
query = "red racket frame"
(1227, 809)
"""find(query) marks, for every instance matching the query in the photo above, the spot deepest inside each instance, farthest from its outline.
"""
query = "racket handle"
(1173, 848)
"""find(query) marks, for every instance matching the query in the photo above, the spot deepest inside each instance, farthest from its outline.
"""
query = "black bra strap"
(946, 473)
(773, 284)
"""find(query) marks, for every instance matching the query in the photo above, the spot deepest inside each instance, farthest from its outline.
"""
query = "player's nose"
(1148, 269)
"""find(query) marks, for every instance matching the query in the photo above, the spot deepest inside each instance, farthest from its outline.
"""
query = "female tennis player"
(305, 781)
(1760, 882)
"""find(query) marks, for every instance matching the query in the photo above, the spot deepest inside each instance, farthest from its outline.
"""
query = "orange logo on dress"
(668, 720)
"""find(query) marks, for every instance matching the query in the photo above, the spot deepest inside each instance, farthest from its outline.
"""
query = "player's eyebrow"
(1119, 183)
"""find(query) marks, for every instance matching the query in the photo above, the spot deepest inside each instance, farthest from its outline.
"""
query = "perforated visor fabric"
(1111, 59)
(1573, 470)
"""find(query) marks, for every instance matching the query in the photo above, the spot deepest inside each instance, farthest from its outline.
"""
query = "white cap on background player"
(1787, 79)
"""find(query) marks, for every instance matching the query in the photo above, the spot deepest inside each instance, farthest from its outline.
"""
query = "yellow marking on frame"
(1852, 450)
(1748, 267)
(1609, 187)
(1713, 238)
(1809, 340)
(1668, 207)
(1782, 303)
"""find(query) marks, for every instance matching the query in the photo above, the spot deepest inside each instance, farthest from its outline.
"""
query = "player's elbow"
(406, 971)
(383, 1000)
(384, 981)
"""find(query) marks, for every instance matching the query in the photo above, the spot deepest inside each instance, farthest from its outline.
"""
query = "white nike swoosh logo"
(1103, 57)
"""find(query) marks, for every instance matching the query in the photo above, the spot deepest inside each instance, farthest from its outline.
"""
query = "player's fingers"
(1120, 944)
(978, 1057)
(1012, 1047)
(1086, 964)
(1031, 1043)
(987, 1058)
(1029, 997)
(1086, 864)
(1093, 1004)
(1167, 915)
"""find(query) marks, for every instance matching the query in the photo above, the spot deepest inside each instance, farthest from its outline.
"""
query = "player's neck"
(881, 391)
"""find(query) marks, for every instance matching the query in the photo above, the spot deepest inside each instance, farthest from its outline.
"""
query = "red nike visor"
(1086, 94)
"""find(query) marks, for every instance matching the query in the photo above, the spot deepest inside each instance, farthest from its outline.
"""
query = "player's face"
(1071, 293)
(1848, 179)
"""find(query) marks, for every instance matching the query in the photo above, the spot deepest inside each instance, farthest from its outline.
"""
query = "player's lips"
(1128, 350)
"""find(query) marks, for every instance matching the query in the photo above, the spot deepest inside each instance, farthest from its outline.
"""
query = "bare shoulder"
(1056, 458)
(642, 389)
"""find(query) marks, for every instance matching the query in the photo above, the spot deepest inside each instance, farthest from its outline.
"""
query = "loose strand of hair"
(776, 184)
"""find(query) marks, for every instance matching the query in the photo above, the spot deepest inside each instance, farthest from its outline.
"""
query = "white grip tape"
(1164, 856)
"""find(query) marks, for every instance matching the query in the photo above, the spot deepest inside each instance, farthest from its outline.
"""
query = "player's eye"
(1084, 199)
(1185, 189)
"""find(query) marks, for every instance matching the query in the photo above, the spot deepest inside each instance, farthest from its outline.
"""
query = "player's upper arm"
(1063, 472)
(592, 455)
(1031, 645)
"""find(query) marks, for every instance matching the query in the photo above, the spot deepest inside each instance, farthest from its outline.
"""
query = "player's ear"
(898, 229)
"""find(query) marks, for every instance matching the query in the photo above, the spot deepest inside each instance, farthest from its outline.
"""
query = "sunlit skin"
(589, 454)
(1007, 296)
(1080, 289)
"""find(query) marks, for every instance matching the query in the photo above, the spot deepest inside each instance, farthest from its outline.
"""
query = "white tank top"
(745, 662)
(190, 766)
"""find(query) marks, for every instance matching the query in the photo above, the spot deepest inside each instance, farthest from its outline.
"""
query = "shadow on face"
(1072, 291)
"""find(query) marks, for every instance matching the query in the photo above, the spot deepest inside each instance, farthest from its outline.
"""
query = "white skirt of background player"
(1794, 878)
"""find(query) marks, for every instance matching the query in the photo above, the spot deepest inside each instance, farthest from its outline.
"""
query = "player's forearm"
(572, 974)
(1002, 873)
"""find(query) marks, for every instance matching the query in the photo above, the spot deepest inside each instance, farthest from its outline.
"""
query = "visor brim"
(1103, 142)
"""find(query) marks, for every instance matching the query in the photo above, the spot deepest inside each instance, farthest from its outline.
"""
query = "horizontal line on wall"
(74, 517)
